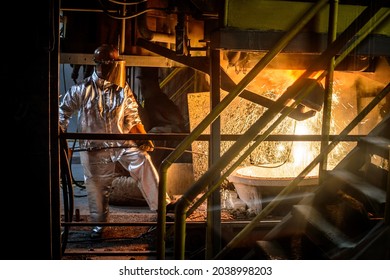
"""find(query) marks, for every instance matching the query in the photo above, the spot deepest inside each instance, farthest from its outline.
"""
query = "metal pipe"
(150, 35)
(81, 224)
(213, 229)
(170, 76)
(326, 116)
(203, 137)
(189, 196)
(122, 39)
(109, 253)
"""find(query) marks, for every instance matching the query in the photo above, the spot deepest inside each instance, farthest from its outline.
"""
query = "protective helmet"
(109, 66)
(105, 54)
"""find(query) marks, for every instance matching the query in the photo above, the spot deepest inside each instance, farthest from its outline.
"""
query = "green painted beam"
(276, 15)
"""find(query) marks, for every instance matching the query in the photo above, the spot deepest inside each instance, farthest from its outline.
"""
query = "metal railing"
(346, 42)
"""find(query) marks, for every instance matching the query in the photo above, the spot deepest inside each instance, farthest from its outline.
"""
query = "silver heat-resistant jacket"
(101, 109)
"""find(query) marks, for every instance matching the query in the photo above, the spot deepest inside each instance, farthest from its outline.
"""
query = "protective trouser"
(100, 169)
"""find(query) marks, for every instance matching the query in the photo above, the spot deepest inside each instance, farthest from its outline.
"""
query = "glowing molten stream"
(301, 150)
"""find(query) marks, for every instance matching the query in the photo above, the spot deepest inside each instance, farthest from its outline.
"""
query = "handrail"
(332, 50)
(268, 209)
(366, 28)
(190, 195)
(327, 106)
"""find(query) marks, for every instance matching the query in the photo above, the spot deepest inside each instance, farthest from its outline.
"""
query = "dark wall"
(29, 84)
(85, 29)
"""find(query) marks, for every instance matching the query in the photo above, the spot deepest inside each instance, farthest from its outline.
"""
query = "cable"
(70, 163)
(67, 191)
(108, 13)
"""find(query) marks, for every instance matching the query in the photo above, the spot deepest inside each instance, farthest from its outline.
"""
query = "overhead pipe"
(122, 40)
(142, 27)
(150, 35)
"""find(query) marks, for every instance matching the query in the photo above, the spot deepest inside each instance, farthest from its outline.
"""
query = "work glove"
(145, 145)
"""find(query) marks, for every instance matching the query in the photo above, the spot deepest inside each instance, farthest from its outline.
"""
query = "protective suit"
(104, 105)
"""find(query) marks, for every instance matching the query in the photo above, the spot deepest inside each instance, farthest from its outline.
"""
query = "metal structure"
(318, 37)
(304, 31)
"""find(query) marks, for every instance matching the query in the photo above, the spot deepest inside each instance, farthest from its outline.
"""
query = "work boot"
(96, 232)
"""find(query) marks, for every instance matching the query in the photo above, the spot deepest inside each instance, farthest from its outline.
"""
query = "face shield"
(113, 71)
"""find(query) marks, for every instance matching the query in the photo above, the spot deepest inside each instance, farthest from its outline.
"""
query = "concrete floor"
(131, 230)
(120, 240)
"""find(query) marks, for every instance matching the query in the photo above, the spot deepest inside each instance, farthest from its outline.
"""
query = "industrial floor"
(131, 231)
(119, 241)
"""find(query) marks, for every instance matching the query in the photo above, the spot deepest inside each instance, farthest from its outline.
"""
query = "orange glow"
(302, 153)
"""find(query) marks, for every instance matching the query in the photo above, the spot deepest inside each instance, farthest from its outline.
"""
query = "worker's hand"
(146, 146)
